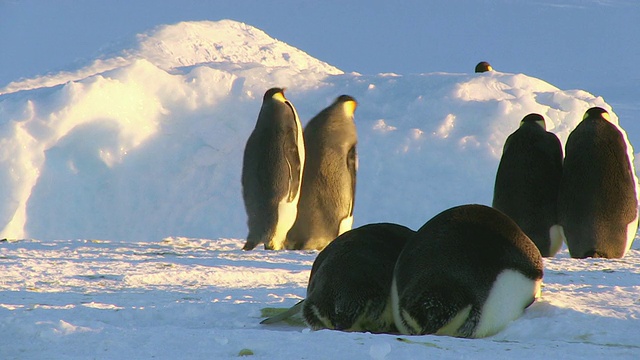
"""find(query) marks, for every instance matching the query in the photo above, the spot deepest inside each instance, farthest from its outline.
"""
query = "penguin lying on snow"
(350, 281)
(467, 272)
(272, 172)
(597, 204)
(527, 182)
(328, 189)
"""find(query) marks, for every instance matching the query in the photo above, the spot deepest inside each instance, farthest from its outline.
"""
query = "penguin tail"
(295, 309)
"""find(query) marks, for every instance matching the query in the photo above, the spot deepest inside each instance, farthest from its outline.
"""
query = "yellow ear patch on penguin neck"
(605, 115)
(349, 107)
(279, 96)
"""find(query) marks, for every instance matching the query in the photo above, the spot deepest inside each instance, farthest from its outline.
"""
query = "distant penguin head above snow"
(274, 93)
(534, 118)
(349, 104)
(597, 113)
(483, 66)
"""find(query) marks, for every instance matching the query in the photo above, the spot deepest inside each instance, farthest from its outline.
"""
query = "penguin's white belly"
(632, 229)
(345, 225)
(510, 294)
(556, 239)
(287, 212)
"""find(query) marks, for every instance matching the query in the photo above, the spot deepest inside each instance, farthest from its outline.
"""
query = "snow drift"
(146, 141)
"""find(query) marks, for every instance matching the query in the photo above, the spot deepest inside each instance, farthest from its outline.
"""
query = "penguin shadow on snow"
(543, 314)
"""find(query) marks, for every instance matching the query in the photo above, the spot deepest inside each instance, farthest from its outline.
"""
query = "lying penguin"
(467, 272)
(350, 281)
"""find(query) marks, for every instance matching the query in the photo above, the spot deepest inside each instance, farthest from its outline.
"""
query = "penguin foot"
(248, 246)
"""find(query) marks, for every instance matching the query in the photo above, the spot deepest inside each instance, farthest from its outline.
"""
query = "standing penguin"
(350, 281)
(528, 180)
(272, 172)
(467, 272)
(597, 203)
(329, 181)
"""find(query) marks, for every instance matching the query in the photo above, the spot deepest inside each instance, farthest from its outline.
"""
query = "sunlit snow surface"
(190, 298)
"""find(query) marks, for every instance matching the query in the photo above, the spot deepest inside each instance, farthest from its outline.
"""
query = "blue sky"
(588, 44)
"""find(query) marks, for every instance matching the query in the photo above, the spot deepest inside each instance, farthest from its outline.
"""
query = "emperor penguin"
(467, 272)
(350, 281)
(328, 189)
(483, 66)
(272, 170)
(527, 182)
(597, 203)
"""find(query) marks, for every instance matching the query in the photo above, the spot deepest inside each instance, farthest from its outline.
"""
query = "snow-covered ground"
(202, 299)
(144, 143)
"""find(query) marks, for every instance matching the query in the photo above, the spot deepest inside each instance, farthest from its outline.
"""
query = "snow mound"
(146, 142)
(185, 44)
(225, 41)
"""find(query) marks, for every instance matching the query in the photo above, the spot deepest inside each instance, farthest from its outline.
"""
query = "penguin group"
(299, 186)
(467, 272)
(587, 200)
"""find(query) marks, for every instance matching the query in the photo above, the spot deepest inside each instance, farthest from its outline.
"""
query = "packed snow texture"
(201, 299)
(145, 143)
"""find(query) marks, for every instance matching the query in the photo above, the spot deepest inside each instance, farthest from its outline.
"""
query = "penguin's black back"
(354, 270)
(454, 259)
(528, 180)
(597, 197)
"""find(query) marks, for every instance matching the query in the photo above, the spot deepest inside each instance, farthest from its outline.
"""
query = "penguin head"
(275, 93)
(597, 113)
(483, 66)
(348, 103)
(534, 118)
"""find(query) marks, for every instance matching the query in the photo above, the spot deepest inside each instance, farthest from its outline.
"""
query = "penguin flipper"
(468, 328)
(352, 165)
(294, 164)
(346, 223)
(292, 154)
(295, 309)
